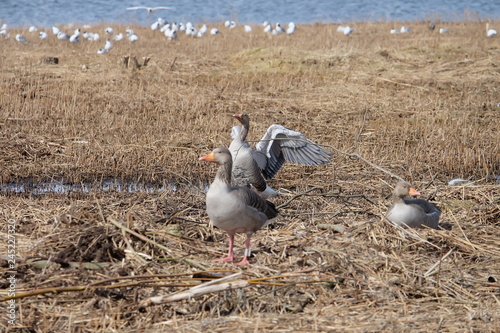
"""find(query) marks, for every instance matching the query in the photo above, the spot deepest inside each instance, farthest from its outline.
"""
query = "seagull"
(203, 29)
(102, 51)
(43, 35)
(170, 34)
(443, 30)
(96, 36)
(20, 38)
(248, 28)
(155, 26)
(214, 31)
(33, 29)
(230, 24)
(4, 26)
(279, 28)
(109, 31)
(268, 28)
(62, 35)
(291, 28)
(490, 32)
(346, 30)
(118, 37)
(55, 30)
(149, 9)
(133, 38)
(108, 46)
(405, 30)
(394, 31)
(4, 33)
(74, 38)
(130, 32)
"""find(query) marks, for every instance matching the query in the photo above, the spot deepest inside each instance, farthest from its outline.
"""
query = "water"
(61, 187)
(46, 13)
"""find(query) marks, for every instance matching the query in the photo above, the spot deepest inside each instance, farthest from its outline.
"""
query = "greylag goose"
(415, 213)
(235, 209)
(252, 165)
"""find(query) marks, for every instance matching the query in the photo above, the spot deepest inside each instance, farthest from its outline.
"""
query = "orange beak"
(238, 116)
(208, 158)
(413, 192)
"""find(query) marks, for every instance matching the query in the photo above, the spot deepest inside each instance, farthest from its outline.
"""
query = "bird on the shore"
(490, 32)
(63, 36)
(443, 30)
(43, 35)
(20, 38)
(118, 37)
(109, 31)
(235, 209)
(108, 46)
(291, 28)
(346, 30)
(252, 165)
(149, 9)
(415, 213)
(248, 28)
(214, 31)
(404, 30)
(33, 29)
(102, 51)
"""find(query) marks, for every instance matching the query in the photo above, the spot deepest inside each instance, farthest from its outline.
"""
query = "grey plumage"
(415, 213)
(235, 209)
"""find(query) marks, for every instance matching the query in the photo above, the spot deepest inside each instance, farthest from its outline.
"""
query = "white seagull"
(20, 38)
(62, 35)
(118, 37)
(43, 35)
(214, 31)
(109, 31)
(443, 30)
(108, 46)
(133, 38)
(346, 30)
(291, 28)
(149, 9)
(248, 28)
(490, 32)
(405, 30)
(102, 51)
(33, 29)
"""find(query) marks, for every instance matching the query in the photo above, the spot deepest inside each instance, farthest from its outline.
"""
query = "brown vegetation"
(422, 106)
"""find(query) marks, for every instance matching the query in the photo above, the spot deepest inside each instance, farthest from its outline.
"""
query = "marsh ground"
(422, 106)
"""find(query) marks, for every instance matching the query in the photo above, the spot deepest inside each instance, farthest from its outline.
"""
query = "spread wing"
(280, 144)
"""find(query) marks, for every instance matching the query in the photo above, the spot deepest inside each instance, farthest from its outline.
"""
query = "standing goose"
(252, 165)
(235, 209)
(415, 213)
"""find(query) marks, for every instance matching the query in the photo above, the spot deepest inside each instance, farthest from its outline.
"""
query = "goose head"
(219, 155)
(243, 118)
(404, 189)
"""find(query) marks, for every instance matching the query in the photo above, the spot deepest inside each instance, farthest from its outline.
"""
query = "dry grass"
(422, 106)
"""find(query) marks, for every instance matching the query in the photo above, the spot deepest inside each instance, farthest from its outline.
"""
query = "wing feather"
(280, 144)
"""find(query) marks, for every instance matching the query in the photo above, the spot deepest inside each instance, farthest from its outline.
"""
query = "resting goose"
(252, 165)
(415, 213)
(235, 209)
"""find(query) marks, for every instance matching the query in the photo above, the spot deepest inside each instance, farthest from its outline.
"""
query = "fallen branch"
(194, 292)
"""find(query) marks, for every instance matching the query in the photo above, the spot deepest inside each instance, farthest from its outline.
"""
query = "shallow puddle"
(61, 187)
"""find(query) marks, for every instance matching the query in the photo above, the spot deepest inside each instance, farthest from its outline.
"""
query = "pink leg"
(230, 254)
(247, 253)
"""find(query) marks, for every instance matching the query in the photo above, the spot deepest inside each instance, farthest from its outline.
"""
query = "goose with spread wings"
(253, 165)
